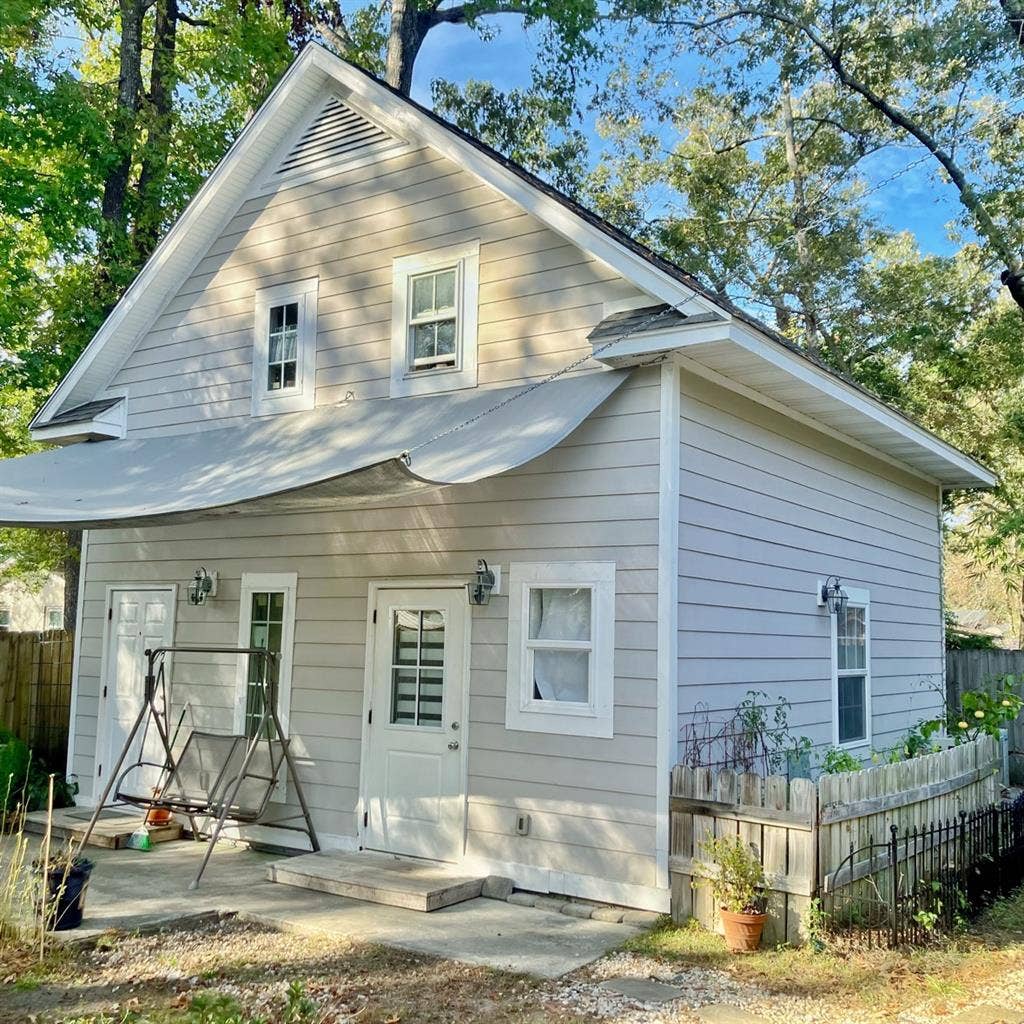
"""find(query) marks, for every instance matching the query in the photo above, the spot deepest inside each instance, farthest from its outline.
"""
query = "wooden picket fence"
(804, 830)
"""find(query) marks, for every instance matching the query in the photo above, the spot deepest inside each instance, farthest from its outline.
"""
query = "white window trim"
(255, 582)
(466, 261)
(522, 711)
(856, 598)
(303, 395)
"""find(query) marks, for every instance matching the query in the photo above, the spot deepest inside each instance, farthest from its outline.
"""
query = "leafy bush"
(739, 884)
(25, 781)
(837, 761)
(981, 713)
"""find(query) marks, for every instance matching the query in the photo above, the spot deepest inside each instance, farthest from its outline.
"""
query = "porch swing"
(224, 777)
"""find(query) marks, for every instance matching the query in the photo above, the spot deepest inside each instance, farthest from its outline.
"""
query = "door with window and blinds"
(414, 791)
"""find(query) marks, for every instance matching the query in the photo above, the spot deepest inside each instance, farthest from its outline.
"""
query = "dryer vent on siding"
(336, 135)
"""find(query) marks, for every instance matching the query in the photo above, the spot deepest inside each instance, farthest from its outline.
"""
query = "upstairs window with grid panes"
(282, 346)
(433, 320)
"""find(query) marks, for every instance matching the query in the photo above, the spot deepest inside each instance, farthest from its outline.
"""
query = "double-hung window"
(284, 348)
(851, 660)
(5, 617)
(434, 321)
(561, 647)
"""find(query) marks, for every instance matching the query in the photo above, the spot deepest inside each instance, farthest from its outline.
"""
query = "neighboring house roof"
(647, 319)
(273, 130)
(328, 457)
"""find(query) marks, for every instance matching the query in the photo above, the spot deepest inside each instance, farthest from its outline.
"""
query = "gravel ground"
(371, 984)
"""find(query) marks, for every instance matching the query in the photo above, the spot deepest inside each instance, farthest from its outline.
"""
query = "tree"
(946, 75)
(360, 35)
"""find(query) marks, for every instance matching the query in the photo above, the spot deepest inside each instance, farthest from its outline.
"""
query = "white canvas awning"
(328, 458)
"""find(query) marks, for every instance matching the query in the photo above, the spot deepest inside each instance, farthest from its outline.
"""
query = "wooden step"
(111, 831)
(377, 878)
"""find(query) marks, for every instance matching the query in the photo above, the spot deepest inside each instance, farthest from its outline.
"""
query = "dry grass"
(19, 924)
(878, 980)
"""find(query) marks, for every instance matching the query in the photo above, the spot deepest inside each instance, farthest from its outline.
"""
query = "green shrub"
(837, 761)
(14, 771)
(739, 884)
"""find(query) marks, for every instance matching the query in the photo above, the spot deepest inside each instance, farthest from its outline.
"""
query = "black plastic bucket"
(65, 895)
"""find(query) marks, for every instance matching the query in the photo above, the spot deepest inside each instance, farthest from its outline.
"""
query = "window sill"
(560, 723)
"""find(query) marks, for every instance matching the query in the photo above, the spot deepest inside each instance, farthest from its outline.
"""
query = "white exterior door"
(414, 792)
(137, 620)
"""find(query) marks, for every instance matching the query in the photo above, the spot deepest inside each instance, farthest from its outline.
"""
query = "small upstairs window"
(284, 350)
(434, 321)
(283, 356)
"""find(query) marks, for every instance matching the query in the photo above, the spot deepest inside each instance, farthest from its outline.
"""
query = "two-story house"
(372, 352)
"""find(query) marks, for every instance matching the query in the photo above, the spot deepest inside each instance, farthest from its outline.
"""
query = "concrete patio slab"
(130, 891)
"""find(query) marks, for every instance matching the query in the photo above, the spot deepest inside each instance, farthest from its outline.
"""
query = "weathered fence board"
(982, 670)
(35, 690)
(804, 831)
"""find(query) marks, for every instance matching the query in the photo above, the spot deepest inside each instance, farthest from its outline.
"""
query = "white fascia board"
(146, 281)
(833, 386)
(642, 345)
(108, 425)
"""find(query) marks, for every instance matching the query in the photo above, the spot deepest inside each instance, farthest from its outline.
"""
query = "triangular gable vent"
(337, 135)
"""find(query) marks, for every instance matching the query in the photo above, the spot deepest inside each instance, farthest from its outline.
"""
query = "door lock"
(454, 745)
(455, 725)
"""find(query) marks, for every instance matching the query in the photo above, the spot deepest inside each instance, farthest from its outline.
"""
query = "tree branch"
(1013, 274)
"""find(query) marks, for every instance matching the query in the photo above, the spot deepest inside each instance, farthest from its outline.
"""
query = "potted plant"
(65, 883)
(738, 885)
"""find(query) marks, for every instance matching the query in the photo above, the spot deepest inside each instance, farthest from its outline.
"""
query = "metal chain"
(406, 456)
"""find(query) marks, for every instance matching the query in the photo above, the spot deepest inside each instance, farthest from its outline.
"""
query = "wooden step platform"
(111, 831)
(378, 878)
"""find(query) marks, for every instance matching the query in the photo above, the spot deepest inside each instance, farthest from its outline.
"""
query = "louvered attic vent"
(337, 135)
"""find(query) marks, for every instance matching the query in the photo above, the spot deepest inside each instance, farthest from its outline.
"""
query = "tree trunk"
(404, 42)
(162, 82)
(129, 89)
(72, 571)
(805, 267)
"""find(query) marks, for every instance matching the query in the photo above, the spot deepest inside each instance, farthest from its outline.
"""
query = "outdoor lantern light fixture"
(483, 584)
(202, 586)
(833, 596)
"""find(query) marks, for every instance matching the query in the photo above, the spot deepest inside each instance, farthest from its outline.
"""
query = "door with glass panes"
(414, 791)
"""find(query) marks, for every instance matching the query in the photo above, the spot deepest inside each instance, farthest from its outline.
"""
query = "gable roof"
(271, 132)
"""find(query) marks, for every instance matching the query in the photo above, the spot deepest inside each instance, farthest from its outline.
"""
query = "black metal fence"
(927, 881)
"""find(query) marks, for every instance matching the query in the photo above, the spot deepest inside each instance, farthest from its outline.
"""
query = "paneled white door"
(414, 792)
(137, 620)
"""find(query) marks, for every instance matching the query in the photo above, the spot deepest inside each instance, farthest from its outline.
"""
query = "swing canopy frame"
(217, 777)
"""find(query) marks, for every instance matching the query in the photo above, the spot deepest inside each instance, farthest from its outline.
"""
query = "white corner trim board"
(670, 430)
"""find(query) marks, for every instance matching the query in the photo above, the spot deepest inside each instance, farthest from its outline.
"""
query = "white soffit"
(332, 457)
(769, 372)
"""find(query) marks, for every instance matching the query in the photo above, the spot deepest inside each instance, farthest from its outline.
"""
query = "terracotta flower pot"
(742, 931)
(158, 816)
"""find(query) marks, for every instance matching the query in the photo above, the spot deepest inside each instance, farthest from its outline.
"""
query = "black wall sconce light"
(484, 583)
(833, 596)
(202, 586)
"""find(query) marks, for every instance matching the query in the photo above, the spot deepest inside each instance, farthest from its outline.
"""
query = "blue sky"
(914, 200)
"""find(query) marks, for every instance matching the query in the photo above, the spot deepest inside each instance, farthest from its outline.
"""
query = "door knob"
(454, 745)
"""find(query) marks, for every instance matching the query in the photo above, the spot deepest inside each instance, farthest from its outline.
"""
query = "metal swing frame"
(221, 806)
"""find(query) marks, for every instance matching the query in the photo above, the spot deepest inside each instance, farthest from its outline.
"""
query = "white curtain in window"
(561, 614)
